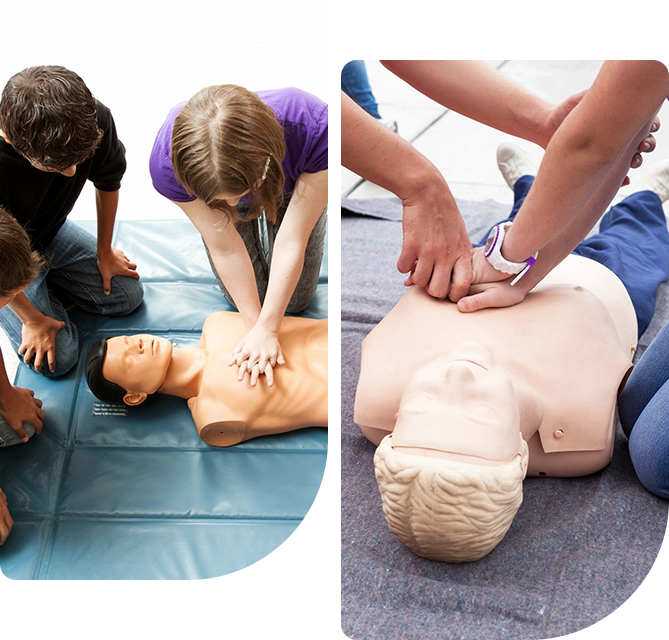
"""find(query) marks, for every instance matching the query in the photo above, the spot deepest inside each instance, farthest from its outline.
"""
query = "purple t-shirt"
(304, 119)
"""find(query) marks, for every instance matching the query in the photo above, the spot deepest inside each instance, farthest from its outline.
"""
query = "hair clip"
(264, 173)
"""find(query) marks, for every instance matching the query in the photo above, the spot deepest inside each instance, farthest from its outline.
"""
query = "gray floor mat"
(577, 549)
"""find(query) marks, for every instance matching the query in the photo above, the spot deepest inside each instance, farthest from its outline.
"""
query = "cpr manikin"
(476, 401)
(225, 410)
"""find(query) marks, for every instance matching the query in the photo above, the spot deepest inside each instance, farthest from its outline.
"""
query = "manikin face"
(137, 363)
(463, 403)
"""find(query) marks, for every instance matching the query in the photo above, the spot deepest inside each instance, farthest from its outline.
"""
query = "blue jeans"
(644, 415)
(71, 268)
(633, 242)
(355, 84)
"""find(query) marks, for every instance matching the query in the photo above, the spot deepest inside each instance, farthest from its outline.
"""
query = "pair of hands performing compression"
(438, 254)
(257, 353)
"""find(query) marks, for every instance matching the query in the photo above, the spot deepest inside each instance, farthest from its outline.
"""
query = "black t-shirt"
(40, 200)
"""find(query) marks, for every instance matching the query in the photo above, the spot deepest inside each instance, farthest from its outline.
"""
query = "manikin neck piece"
(464, 403)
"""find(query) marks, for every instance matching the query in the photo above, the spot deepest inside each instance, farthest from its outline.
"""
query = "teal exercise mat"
(109, 492)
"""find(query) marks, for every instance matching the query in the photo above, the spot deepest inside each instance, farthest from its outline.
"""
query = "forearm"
(5, 384)
(287, 264)
(236, 271)
(25, 310)
(570, 237)
(584, 150)
(106, 203)
(478, 91)
(384, 158)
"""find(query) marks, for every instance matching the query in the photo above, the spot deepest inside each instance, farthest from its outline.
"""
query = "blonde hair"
(225, 140)
(444, 510)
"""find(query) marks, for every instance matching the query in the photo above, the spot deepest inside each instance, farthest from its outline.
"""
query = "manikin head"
(451, 474)
(128, 368)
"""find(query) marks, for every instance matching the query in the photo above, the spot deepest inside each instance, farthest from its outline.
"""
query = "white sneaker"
(513, 162)
(656, 180)
(389, 123)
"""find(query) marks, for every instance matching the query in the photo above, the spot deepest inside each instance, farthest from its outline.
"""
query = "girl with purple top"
(250, 171)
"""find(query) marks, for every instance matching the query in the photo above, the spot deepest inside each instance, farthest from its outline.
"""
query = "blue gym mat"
(109, 492)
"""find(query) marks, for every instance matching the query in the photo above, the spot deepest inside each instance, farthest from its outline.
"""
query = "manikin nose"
(460, 372)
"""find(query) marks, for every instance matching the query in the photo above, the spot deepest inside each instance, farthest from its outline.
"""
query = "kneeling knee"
(129, 296)
(65, 362)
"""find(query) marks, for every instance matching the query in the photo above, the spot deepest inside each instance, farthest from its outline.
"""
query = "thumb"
(483, 300)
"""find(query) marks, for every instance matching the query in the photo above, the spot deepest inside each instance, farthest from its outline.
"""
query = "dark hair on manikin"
(101, 388)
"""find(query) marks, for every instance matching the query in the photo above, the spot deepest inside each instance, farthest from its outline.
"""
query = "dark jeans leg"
(355, 84)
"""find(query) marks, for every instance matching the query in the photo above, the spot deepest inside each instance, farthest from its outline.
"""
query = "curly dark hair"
(50, 117)
(20, 264)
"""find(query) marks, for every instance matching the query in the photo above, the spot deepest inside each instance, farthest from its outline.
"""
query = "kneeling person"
(54, 136)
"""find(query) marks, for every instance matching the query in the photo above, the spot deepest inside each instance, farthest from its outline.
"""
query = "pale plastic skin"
(225, 410)
(464, 386)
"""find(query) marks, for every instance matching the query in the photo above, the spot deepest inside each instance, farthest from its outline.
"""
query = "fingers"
(462, 278)
(21, 432)
(28, 354)
(423, 272)
(255, 372)
(235, 353)
(269, 374)
(280, 359)
(648, 144)
(36, 421)
(637, 161)
(106, 283)
(39, 357)
(51, 359)
(242, 370)
(440, 281)
(656, 124)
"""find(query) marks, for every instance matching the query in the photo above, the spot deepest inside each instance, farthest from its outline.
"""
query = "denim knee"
(8, 437)
(127, 297)
(65, 362)
(649, 448)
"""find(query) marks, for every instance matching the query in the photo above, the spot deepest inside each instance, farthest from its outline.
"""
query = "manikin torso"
(227, 411)
(572, 340)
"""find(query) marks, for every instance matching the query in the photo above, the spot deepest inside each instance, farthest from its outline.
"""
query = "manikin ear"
(524, 455)
(133, 399)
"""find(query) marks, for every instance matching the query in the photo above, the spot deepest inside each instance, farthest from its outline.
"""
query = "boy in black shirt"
(53, 137)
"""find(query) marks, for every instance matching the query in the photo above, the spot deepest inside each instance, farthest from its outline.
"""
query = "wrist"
(424, 181)
(269, 322)
(536, 121)
(104, 251)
